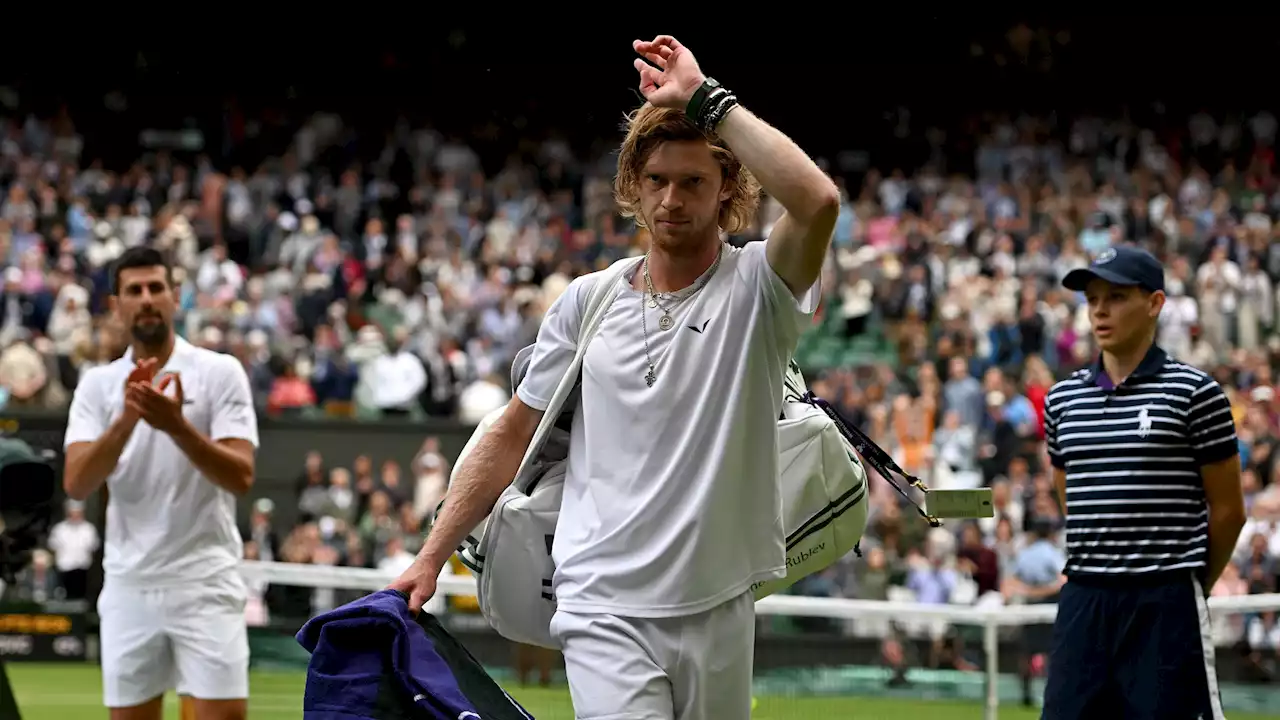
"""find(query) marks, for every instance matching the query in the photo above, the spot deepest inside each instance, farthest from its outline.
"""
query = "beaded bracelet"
(709, 105)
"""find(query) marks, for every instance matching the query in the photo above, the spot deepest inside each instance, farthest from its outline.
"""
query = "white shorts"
(687, 668)
(191, 638)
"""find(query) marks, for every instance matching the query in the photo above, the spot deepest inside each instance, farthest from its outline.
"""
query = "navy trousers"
(1137, 650)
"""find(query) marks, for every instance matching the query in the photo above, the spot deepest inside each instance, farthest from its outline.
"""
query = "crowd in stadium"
(404, 287)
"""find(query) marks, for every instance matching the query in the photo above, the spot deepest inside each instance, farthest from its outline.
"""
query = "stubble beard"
(151, 336)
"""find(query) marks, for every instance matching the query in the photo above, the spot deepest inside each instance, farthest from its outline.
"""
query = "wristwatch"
(699, 98)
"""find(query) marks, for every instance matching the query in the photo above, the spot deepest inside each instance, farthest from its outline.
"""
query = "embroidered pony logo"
(1144, 423)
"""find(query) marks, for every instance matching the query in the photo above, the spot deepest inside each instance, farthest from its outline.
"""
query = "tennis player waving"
(671, 505)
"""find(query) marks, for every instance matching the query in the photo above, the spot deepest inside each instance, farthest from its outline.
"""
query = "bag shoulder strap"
(605, 286)
(873, 454)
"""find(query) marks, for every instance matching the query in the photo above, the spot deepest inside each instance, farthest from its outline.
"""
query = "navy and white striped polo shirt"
(1132, 455)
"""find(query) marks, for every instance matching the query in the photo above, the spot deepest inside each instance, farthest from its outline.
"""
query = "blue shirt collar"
(1150, 365)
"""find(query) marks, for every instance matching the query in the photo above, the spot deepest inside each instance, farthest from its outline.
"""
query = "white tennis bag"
(824, 491)
(824, 487)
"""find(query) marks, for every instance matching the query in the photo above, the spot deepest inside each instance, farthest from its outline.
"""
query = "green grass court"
(67, 692)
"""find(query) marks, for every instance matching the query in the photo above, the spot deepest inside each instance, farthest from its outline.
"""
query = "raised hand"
(673, 83)
(143, 371)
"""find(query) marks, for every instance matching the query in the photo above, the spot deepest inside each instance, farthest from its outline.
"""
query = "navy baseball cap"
(1123, 265)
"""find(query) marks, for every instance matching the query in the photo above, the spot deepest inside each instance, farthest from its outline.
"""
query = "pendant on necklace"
(650, 378)
(653, 301)
(665, 322)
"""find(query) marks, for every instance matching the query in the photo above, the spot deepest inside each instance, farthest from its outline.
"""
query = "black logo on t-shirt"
(700, 330)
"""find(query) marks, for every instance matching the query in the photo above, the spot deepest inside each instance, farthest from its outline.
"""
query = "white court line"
(265, 702)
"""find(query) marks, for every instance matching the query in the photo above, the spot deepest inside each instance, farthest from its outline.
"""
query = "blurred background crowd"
(398, 277)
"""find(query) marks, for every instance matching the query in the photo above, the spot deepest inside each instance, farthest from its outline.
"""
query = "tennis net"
(817, 656)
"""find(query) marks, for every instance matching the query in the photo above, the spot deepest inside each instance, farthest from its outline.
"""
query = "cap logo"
(1105, 256)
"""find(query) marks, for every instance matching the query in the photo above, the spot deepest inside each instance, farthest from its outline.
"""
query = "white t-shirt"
(73, 545)
(671, 501)
(166, 523)
(396, 379)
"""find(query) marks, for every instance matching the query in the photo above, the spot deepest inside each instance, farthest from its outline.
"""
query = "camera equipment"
(28, 488)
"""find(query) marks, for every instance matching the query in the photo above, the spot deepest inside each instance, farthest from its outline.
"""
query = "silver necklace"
(666, 322)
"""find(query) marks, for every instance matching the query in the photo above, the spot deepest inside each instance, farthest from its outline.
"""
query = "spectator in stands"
(412, 530)
(292, 602)
(390, 483)
(998, 439)
(396, 376)
(324, 599)
(261, 531)
(314, 501)
(953, 455)
(290, 393)
(25, 378)
(1007, 543)
(365, 484)
(431, 475)
(979, 561)
(69, 322)
(963, 393)
(932, 578)
(1260, 564)
(874, 576)
(333, 376)
(1007, 505)
(313, 471)
(395, 559)
(38, 583)
(378, 524)
(343, 503)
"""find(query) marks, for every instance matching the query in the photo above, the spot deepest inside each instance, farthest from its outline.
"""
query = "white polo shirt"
(671, 501)
(166, 523)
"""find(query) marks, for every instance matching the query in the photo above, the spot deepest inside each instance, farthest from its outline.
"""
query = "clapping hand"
(677, 75)
(144, 371)
(153, 405)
